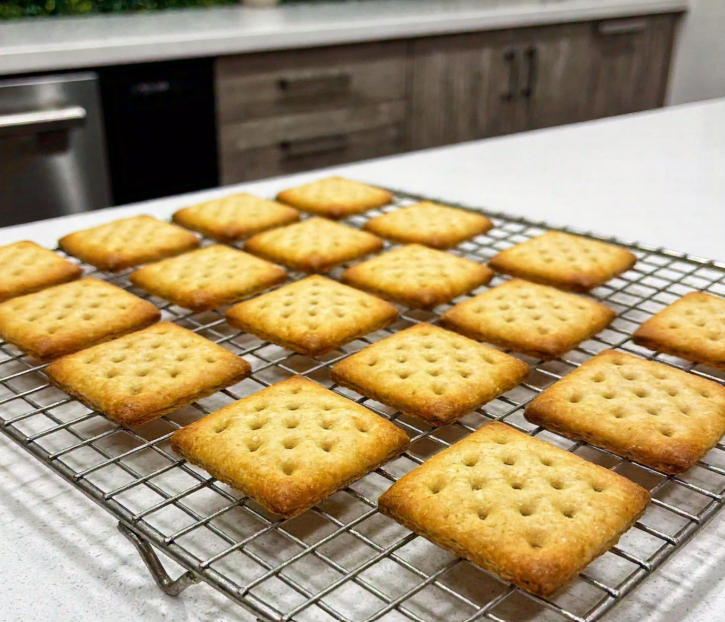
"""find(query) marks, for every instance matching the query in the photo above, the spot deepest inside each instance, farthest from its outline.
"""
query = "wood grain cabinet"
(467, 87)
(283, 112)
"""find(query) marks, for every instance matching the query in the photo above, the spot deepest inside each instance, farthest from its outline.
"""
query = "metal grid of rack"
(343, 560)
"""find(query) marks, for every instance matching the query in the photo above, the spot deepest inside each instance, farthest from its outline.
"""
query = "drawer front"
(284, 158)
(306, 126)
(254, 86)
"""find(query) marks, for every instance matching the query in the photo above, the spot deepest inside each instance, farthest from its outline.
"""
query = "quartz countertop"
(45, 44)
(657, 177)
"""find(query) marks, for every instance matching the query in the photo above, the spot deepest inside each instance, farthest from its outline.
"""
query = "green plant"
(10, 9)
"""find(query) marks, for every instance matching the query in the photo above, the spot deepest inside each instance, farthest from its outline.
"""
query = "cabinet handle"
(622, 27)
(532, 69)
(313, 146)
(315, 86)
(511, 59)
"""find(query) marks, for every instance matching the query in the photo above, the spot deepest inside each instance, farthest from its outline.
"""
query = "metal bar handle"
(510, 58)
(313, 146)
(163, 580)
(315, 86)
(532, 66)
(622, 26)
(42, 121)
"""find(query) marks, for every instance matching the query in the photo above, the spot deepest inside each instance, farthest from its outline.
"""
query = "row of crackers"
(425, 371)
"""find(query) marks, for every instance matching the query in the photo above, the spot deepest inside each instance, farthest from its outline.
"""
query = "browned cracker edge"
(311, 347)
(652, 341)
(286, 512)
(540, 589)
(125, 414)
(546, 352)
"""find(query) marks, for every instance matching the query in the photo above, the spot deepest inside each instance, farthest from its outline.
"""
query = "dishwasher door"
(52, 152)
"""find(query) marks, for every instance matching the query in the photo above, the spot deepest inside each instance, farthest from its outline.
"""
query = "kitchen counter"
(657, 177)
(45, 44)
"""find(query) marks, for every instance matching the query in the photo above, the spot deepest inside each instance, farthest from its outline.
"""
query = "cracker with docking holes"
(530, 513)
(312, 316)
(291, 445)
(128, 242)
(430, 373)
(208, 278)
(315, 245)
(73, 316)
(533, 319)
(147, 374)
(648, 412)
(417, 276)
(26, 267)
(235, 217)
(430, 224)
(692, 328)
(335, 197)
(566, 261)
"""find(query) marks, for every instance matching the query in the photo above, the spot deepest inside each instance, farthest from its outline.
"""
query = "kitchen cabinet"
(284, 112)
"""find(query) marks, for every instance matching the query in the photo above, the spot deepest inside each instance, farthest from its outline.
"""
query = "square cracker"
(648, 412)
(565, 261)
(312, 316)
(533, 319)
(531, 513)
(26, 267)
(692, 328)
(235, 217)
(128, 242)
(430, 373)
(67, 318)
(431, 224)
(291, 445)
(208, 278)
(417, 276)
(335, 197)
(315, 245)
(147, 374)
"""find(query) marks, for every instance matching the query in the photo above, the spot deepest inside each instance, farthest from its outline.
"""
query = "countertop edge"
(96, 52)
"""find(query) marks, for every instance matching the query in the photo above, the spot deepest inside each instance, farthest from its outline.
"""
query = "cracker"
(70, 317)
(430, 373)
(315, 245)
(431, 224)
(692, 328)
(147, 374)
(26, 267)
(531, 513)
(312, 316)
(291, 445)
(335, 197)
(417, 276)
(208, 278)
(533, 319)
(128, 242)
(566, 261)
(234, 217)
(648, 412)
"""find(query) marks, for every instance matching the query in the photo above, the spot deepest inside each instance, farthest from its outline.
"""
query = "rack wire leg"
(172, 587)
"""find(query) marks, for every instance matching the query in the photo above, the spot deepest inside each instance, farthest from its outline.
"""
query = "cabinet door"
(555, 70)
(463, 88)
(630, 65)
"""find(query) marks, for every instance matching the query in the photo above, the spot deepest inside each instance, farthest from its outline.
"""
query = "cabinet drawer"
(306, 126)
(286, 157)
(253, 86)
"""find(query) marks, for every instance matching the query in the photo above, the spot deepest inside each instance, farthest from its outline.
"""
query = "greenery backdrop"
(10, 9)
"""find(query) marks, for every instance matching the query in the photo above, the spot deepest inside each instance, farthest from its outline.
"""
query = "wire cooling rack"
(343, 560)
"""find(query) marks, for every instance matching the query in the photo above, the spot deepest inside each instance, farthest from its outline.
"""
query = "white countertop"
(45, 44)
(658, 177)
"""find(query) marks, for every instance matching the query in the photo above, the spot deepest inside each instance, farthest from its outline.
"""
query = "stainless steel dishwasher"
(52, 150)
